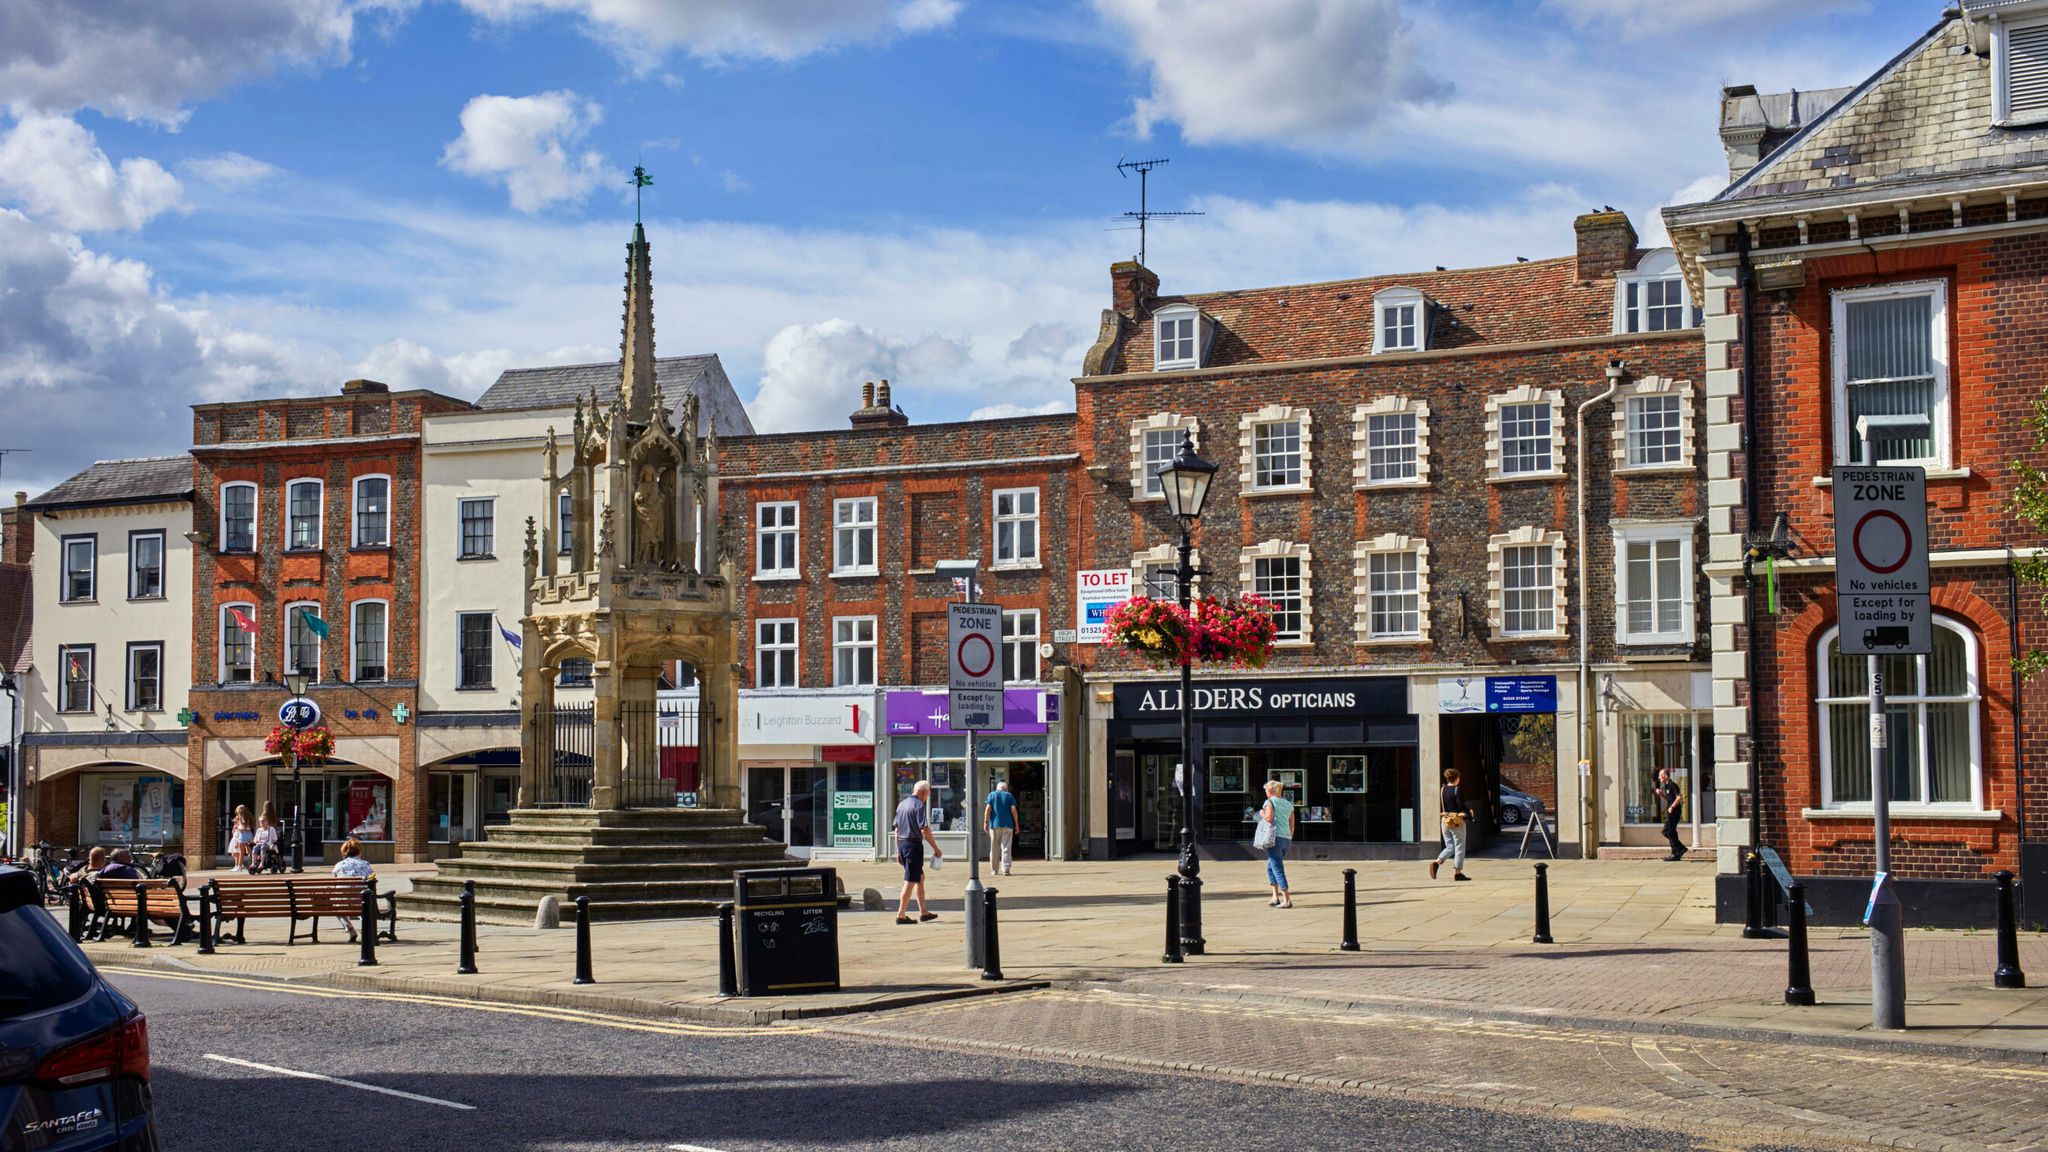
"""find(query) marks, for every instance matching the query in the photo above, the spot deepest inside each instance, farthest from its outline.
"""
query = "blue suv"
(74, 1053)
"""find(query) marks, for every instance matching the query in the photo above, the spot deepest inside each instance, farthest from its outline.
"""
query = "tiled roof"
(1503, 304)
(560, 386)
(1925, 113)
(123, 482)
(15, 615)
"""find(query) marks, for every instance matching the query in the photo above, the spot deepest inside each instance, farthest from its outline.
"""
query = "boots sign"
(1881, 577)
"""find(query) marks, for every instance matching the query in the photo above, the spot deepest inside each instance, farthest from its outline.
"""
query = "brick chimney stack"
(1607, 244)
(1132, 287)
(17, 535)
(875, 410)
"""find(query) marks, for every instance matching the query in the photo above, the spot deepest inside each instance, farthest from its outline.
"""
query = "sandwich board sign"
(1881, 578)
(974, 673)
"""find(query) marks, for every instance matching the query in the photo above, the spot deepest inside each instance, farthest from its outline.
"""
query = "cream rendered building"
(103, 744)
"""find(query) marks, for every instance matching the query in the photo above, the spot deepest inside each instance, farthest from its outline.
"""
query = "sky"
(207, 200)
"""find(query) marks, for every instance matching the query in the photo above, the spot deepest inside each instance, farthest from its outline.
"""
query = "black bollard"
(583, 975)
(141, 916)
(1543, 905)
(1172, 954)
(76, 901)
(991, 951)
(467, 965)
(1192, 942)
(1798, 973)
(2008, 974)
(369, 933)
(1350, 943)
(206, 919)
(1753, 913)
(728, 980)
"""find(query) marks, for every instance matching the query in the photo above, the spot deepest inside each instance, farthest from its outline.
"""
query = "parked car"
(1516, 807)
(74, 1053)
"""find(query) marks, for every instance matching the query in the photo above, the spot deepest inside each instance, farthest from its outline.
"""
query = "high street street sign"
(1881, 560)
(974, 667)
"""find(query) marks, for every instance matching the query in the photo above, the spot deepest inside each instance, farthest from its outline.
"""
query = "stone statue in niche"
(650, 518)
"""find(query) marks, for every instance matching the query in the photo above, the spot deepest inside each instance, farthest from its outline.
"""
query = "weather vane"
(641, 179)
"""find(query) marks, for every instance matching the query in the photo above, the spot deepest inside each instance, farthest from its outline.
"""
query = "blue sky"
(214, 199)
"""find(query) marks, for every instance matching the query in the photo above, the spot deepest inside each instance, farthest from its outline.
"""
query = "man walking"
(913, 832)
(999, 816)
(1671, 798)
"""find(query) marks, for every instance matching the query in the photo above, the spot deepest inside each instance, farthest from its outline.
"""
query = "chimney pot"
(882, 395)
(1607, 244)
(867, 394)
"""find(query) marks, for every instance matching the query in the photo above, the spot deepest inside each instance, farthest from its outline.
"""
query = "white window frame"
(1496, 589)
(1363, 555)
(1653, 388)
(1247, 572)
(163, 563)
(1172, 318)
(1383, 408)
(1416, 339)
(227, 621)
(1681, 532)
(1168, 424)
(846, 536)
(847, 645)
(319, 514)
(1020, 645)
(1015, 521)
(291, 609)
(763, 531)
(1248, 427)
(355, 526)
(462, 551)
(128, 700)
(355, 636)
(91, 543)
(2002, 29)
(1659, 265)
(1848, 446)
(1168, 556)
(1496, 447)
(1974, 697)
(785, 642)
(255, 515)
(90, 654)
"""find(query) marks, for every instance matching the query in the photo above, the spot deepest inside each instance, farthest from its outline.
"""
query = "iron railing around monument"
(566, 735)
(676, 732)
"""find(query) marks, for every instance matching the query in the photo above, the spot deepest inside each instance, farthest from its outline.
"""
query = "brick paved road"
(1741, 1092)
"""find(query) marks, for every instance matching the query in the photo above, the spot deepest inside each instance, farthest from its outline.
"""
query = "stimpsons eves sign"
(1326, 697)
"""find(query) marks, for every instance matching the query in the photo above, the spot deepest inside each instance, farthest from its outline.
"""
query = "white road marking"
(337, 1080)
(690, 1148)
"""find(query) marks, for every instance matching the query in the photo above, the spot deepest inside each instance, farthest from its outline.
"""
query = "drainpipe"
(1746, 284)
(1589, 727)
(2019, 712)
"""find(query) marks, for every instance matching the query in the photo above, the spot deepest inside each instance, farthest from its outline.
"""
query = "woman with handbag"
(1274, 833)
(1453, 814)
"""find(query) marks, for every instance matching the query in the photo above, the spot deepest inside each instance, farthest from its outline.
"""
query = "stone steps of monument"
(607, 837)
(627, 818)
(581, 871)
(748, 853)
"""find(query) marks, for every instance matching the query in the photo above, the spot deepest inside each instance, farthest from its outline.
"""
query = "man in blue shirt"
(999, 816)
(913, 832)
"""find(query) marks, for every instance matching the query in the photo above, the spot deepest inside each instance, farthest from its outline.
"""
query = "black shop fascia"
(1343, 748)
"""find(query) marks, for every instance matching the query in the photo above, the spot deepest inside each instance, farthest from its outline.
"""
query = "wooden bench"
(294, 898)
(113, 905)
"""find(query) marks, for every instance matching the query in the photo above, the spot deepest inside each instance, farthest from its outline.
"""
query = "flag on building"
(511, 637)
(314, 624)
(243, 622)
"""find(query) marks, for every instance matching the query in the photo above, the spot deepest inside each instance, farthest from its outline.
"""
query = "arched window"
(1931, 709)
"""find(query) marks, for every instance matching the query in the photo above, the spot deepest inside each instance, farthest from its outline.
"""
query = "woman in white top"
(352, 866)
(264, 847)
(241, 836)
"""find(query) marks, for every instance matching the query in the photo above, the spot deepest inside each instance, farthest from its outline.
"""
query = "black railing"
(664, 753)
(566, 736)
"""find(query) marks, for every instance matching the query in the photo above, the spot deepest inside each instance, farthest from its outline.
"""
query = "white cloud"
(811, 373)
(529, 144)
(146, 59)
(718, 30)
(1005, 411)
(1637, 18)
(732, 182)
(1317, 75)
(230, 170)
(54, 168)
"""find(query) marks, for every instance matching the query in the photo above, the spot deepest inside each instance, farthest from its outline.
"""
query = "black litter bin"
(787, 920)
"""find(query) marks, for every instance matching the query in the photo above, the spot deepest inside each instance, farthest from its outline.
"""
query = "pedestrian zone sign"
(974, 673)
(1881, 578)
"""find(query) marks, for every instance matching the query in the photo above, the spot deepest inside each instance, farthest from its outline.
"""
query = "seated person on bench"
(352, 867)
(122, 868)
(264, 850)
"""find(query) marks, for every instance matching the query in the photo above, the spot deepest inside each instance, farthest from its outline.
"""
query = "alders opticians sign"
(1320, 697)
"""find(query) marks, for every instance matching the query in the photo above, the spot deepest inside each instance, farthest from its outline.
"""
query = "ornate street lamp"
(295, 684)
(1185, 482)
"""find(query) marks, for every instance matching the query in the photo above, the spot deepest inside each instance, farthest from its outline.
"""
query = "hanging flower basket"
(311, 744)
(1237, 631)
(1154, 629)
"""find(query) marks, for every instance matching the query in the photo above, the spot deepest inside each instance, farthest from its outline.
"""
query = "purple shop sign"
(916, 713)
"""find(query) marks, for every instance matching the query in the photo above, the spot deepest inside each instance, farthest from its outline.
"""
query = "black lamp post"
(1185, 482)
(295, 683)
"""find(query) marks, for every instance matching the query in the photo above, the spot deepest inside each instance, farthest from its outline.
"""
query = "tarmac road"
(232, 1058)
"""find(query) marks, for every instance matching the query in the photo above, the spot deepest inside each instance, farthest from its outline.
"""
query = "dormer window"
(1652, 296)
(1400, 321)
(1183, 337)
(2019, 54)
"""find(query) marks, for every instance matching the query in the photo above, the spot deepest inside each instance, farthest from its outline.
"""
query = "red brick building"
(307, 511)
(1879, 254)
(1400, 473)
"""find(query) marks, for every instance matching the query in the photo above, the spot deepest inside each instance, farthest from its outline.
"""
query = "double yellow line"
(535, 1011)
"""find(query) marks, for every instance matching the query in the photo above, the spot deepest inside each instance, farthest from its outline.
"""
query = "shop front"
(807, 770)
(1344, 749)
(1025, 754)
(130, 805)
